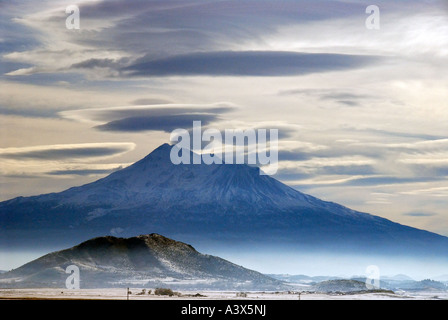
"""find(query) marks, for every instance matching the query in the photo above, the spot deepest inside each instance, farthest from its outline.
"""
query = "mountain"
(341, 285)
(145, 261)
(230, 205)
(407, 284)
(398, 277)
(301, 278)
(442, 278)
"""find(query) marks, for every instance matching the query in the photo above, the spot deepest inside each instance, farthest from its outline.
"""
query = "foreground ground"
(137, 294)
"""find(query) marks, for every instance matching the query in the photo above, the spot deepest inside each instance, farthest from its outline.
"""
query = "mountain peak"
(163, 148)
(200, 202)
(152, 241)
(156, 179)
(162, 152)
(155, 239)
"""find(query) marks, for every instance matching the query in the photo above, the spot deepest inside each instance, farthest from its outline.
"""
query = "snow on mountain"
(224, 202)
(155, 178)
(146, 261)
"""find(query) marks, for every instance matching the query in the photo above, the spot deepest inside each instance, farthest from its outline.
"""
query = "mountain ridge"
(145, 260)
(230, 204)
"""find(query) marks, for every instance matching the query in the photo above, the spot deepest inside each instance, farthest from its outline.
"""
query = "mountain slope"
(147, 260)
(200, 203)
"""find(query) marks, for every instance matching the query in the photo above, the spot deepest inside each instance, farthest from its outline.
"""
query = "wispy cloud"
(158, 117)
(70, 152)
(419, 214)
(166, 123)
(87, 170)
(247, 63)
(58, 161)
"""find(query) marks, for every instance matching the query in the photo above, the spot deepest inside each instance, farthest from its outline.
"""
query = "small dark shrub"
(164, 292)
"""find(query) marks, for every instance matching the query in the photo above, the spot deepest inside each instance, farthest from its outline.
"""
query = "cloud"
(348, 99)
(148, 101)
(325, 93)
(388, 180)
(23, 71)
(47, 97)
(288, 155)
(158, 117)
(419, 214)
(426, 138)
(113, 31)
(173, 116)
(342, 165)
(151, 110)
(96, 63)
(107, 66)
(62, 160)
(81, 172)
(116, 231)
(70, 152)
(411, 160)
(433, 191)
(166, 123)
(246, 63)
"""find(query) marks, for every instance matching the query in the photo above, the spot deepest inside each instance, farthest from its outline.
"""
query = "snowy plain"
(136, 294)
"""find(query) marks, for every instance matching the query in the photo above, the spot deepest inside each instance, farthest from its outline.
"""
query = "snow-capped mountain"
(154, 179)
(145, 261)
(198, 203)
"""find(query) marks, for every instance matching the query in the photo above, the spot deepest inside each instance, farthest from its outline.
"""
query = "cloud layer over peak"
(247, 63)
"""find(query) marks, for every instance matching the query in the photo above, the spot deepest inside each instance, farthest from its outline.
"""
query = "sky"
(362, 113)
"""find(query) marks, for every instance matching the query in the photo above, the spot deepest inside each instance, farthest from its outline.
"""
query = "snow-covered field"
(120, 294)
